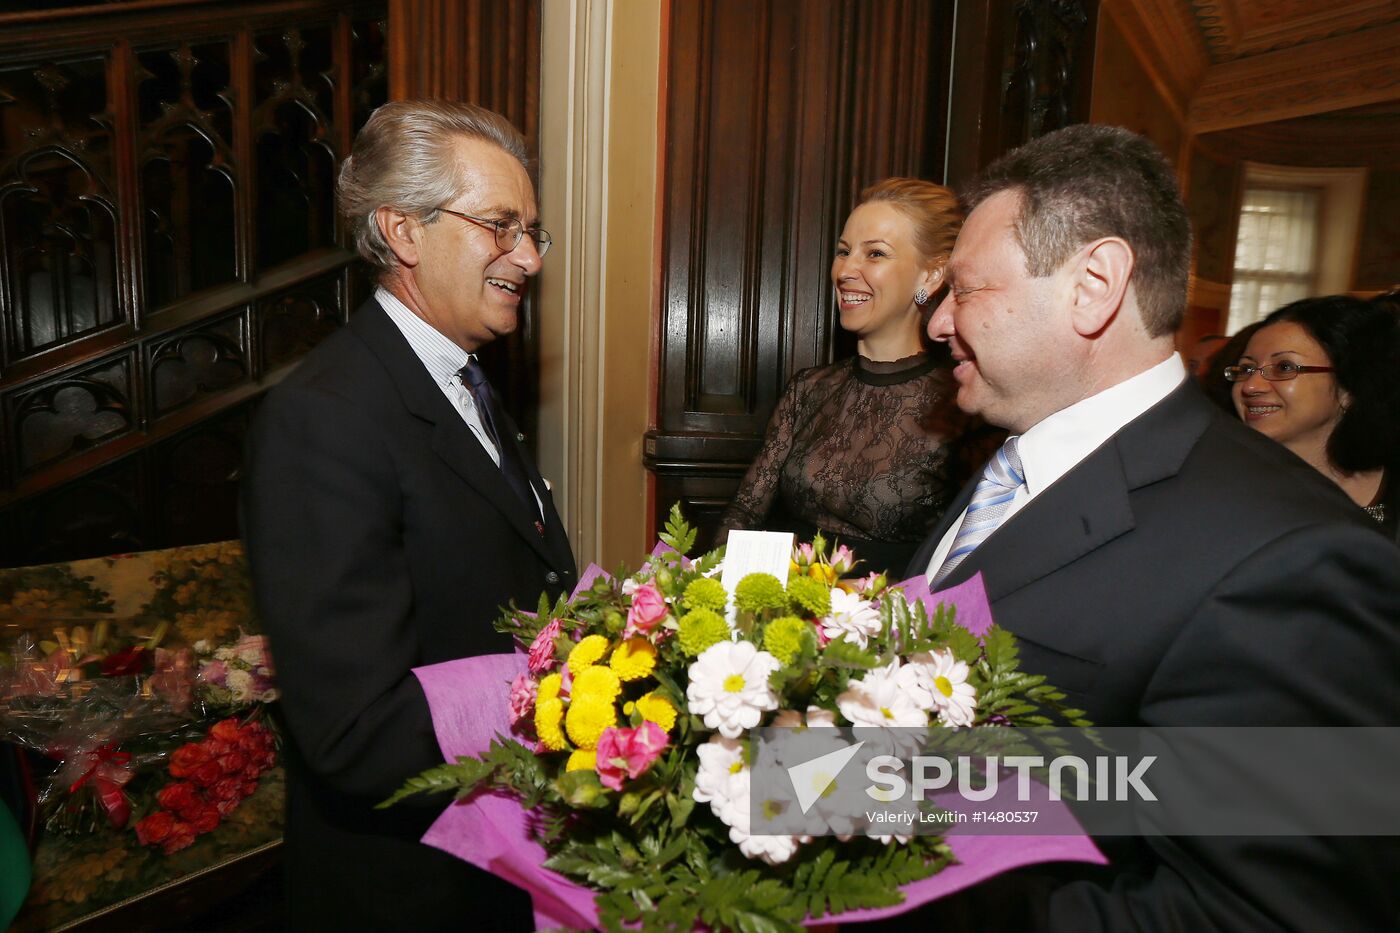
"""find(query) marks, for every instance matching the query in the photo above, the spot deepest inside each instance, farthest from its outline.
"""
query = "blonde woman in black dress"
(869, 450)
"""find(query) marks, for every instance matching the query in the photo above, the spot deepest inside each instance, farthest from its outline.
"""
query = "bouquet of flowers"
(630, 721)
(114, 714)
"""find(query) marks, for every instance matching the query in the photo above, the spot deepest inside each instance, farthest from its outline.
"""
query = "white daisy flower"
(729, 686)
(775, 849)
(722, 775)
(851, 617)
(941, 685)
(882, 698)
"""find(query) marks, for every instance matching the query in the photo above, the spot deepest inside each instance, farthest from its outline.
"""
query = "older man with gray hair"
(390, 509)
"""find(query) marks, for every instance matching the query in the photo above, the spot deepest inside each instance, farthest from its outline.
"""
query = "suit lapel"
(452, 440)
(1091, 504)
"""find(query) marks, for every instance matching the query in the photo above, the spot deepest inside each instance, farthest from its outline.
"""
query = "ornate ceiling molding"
(1233, 29)
(1330, 74)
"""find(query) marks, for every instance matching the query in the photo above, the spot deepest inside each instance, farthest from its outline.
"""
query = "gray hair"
(403, 158)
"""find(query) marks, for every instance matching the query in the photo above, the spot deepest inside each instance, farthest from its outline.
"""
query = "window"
(1275, 252)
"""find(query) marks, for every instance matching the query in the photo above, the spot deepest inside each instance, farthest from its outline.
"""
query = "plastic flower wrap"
(113, 715)
(631, 719)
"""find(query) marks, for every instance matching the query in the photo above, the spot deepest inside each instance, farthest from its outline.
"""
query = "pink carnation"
(522, 697)
(629, 752)
(542, 648)
(648, 609)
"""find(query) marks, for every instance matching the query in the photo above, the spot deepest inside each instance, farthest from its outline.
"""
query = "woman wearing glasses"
(862, 449)
(1319, 377)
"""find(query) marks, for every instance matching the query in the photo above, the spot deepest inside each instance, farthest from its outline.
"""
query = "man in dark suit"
(1163, 564)
(390, 511)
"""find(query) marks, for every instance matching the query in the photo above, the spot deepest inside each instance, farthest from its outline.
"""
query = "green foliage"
(845, 654)
(678, 534)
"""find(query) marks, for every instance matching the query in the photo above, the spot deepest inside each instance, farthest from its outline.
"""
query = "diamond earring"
(921, 297)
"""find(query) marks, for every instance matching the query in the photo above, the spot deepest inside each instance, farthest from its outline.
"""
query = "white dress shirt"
(444, 360)
(1059, 442)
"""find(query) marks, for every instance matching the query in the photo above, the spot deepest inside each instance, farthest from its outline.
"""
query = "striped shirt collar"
(441, 357)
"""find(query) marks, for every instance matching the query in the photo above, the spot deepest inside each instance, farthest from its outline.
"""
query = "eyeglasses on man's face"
(1274, 372)
(508, 232)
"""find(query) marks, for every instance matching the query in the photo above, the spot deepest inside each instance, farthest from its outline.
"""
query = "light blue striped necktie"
(1001, 477)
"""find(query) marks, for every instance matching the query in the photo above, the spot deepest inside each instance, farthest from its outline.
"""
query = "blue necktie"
(511, 466)
(1001, 477)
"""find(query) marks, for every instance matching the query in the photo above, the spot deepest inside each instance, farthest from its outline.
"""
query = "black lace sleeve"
(760, 484)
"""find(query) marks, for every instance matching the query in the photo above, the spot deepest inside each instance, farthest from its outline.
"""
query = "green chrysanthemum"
(706, 593)
(699, 629)
(759, 592)
(784, 637)
(810, 597)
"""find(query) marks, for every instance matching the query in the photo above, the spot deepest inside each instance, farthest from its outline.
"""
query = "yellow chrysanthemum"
(634, 659)
(587, 653)
(587, 718)
(549, 688)
(548, 714)
(596, 683)
(582, 759)
(655, 707)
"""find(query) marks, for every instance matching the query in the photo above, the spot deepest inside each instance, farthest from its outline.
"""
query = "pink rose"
(648, 609)
(542, 648)
(842, 560)
(629, 752)
(803, 555)
(522, 697)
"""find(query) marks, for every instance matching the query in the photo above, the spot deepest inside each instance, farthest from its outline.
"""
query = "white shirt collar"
(442, 358)
(1058, 443)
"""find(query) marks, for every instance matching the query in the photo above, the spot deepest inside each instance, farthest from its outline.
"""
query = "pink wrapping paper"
(468, 700)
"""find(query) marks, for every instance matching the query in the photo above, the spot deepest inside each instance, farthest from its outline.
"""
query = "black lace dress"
(870, 453)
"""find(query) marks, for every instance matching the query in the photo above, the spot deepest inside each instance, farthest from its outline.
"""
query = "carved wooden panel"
(58, 204)
(63, 417)
(168, 238)
(294, 321)
(294, 141)
(166, 178)
(188, 169)
(198, 362)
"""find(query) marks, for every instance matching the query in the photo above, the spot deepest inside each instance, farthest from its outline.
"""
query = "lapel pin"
(539, 526)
